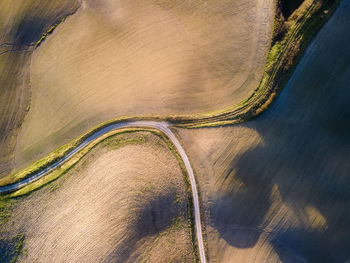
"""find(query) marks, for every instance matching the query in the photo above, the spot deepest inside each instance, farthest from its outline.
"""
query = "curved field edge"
(65, 149)
(282, 59)
(36, 43)
(59, 153)
(22, 24)
(53, 27)
(5, 200)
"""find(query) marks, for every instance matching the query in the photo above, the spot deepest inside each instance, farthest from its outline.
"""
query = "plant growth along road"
(161, 126)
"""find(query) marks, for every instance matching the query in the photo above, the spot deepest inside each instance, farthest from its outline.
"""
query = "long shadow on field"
(310, 173)
(304, 161)
(28, 27)
(30, 30)
(158, 214)
(11, 248)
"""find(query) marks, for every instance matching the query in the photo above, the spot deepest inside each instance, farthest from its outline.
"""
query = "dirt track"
(132, 206)
(143, 57)
(161, 126)
(277, 188)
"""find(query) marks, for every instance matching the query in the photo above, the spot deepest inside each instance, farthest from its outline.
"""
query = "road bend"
(161, 126)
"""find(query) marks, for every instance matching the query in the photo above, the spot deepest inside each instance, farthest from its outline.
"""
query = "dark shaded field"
(22, 24)
(289, 6)
(11, 248)
(278, 187)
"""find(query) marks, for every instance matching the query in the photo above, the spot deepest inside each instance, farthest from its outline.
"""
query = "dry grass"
(277, 188)
(121, 204)
(142, 57)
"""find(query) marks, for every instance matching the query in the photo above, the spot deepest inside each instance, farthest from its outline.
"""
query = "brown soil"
(118, 204)
(21, 25)
(142, 57)
(276, 189)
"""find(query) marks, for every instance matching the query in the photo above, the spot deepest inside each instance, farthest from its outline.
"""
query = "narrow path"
(161, 126)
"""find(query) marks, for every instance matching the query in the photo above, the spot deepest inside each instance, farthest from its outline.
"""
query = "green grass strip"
(282, 59)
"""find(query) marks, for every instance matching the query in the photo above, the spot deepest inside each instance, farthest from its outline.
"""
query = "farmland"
(276, 189)
(144, 58)
(174, 131)
(126, 198)
(21, 25)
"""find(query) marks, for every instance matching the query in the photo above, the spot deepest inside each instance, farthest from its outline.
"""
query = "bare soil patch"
(119, 204)
(276, 189)
(141, 58)
(21, 24)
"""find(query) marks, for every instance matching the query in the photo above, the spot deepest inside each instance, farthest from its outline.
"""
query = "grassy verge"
(52, 28)
(5, 207)
(293, 37)
(62, 151)
(48, 32)
(113, 144)
(190, 208)
(283, 56)
(177, 224)
(65, 167)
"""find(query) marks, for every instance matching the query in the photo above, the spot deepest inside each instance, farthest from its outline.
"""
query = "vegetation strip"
(281, 62)
(282, 59)
(65, 167)
(82, 148)
(52, 28)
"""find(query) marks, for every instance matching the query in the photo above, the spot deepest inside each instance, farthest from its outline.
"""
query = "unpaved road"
(163, 127)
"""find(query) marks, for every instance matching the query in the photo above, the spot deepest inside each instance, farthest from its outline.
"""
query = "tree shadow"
(156, 215)
(27, 28)
(310, 169)
(305, 155)
(29, 31)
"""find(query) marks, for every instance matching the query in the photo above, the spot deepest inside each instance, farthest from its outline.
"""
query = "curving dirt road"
(163, 127)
